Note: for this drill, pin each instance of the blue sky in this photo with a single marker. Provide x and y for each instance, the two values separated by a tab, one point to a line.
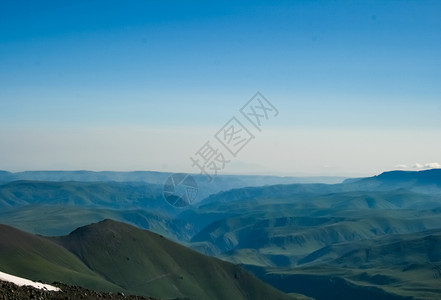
142	85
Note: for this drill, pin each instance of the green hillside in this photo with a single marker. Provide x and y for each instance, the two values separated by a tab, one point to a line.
295	232
114	256
37	258
146	263
407	266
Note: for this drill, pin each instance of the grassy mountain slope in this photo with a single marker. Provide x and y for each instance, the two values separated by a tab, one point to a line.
100	200
283	241
114	256
406	265
147	263
298	231
37	258
294	231
281	230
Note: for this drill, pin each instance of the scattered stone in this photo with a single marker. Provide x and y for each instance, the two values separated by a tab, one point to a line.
10	291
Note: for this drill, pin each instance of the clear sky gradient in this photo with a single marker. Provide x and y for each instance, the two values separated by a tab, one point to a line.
142	85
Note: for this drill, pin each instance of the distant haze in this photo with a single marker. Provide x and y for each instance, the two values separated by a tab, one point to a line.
143	85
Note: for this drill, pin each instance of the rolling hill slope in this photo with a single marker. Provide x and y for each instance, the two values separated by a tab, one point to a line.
113	256
407	266
37	258
152	264
286	229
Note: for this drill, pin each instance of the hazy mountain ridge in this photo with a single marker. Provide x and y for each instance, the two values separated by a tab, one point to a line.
85	194
427	181
153	177
298	227
295	227
205	187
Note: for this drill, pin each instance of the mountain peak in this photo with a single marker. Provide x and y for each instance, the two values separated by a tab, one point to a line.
148	264
433	175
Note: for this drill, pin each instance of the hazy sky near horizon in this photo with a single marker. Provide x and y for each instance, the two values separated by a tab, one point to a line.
142	85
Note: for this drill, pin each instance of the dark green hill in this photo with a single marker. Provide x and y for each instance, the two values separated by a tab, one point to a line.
146	263
113	256
37	258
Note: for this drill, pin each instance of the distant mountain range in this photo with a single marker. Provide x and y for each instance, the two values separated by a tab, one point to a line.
205	187
293	235
157	177
428	181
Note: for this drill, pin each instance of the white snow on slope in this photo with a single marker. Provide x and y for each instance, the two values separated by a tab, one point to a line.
21	281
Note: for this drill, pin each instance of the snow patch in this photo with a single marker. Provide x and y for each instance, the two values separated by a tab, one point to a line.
21	281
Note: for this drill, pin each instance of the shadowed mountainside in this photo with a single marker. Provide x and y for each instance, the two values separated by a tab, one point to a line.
113	256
